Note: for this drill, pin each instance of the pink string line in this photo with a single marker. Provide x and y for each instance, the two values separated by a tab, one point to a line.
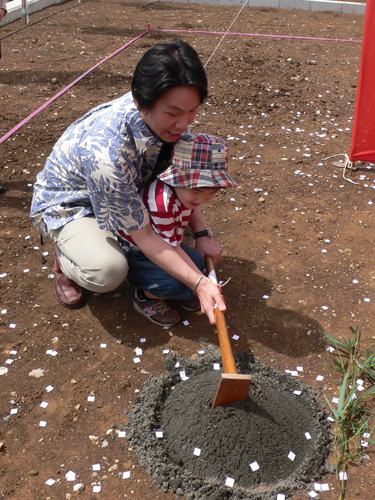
260	35
34	113
50	101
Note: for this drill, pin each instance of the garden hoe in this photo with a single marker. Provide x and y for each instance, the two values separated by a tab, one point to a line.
232	386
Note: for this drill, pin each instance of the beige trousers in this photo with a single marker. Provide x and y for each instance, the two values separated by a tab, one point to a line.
91	257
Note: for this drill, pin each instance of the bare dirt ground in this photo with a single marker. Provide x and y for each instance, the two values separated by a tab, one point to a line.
297	238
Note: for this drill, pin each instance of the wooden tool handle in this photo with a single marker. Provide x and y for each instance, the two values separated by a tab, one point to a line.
224	341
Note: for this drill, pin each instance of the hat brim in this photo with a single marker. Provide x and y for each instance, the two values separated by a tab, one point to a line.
190	178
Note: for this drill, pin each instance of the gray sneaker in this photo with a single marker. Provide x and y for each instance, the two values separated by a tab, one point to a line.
156	310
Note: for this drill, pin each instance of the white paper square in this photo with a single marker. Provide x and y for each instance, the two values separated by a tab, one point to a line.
297	393
335	400
13	353
165	351
299	368
12	325
14	411
186	322
280	496
359	381
201	352
291	456
216	366
96	489
9	361
126	474
177	365
197	452
229	482
235	337
159	434
325	487
142	340
103	346
96	467
330	419
121	434
294	373
319	378
51	352
70	476
254	466
138	351
91	398
307	435
312	494
330	349
43	404
50	482
42	423
49	388
317	487
343	476
137	360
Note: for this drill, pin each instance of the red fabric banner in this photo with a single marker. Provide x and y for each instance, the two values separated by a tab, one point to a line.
363	136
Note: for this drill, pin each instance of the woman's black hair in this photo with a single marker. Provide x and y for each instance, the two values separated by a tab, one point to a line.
164	67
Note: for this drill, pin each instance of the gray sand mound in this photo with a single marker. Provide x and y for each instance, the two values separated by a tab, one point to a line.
265	428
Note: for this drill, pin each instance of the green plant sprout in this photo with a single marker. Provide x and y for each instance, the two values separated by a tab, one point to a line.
352	415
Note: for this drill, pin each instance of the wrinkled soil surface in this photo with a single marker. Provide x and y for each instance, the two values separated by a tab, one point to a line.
297	237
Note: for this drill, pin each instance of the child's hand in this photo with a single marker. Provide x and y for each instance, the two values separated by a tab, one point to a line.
208	246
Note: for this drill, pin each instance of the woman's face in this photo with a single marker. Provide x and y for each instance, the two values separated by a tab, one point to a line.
172	113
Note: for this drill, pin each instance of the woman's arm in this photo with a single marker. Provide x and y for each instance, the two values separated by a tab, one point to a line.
168	258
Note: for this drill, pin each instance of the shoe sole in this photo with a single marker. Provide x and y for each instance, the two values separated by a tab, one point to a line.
140	310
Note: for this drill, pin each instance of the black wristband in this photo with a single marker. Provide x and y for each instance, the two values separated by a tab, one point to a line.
200	234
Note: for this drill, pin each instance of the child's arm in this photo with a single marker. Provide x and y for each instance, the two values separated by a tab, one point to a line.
205	245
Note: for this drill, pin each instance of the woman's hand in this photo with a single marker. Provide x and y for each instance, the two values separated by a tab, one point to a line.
210	295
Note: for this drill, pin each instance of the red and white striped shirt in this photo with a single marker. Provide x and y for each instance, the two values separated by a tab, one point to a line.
168	216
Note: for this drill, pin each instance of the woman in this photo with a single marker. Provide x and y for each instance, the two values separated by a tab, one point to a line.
89	186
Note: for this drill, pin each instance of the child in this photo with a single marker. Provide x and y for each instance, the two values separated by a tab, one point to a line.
198	169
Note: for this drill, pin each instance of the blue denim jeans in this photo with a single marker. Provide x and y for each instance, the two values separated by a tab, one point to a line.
146	275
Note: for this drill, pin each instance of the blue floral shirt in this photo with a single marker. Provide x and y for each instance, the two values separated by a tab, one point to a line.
97	167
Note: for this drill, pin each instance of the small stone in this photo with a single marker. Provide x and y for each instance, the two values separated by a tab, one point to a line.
79	487
33	473
261	200
37	373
